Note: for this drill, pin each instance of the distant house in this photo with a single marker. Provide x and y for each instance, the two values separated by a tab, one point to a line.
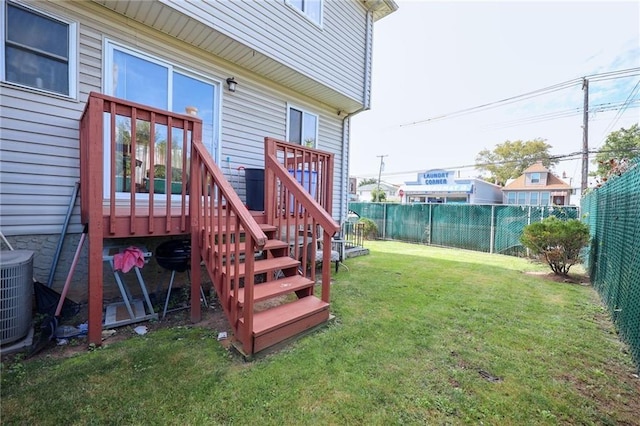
537	186
441	186
365	191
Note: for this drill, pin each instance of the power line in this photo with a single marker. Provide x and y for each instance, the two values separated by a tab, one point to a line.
544	91
621	111
549	116
558	157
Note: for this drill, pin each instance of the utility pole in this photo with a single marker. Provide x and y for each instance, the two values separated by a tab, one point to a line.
585	136
380	172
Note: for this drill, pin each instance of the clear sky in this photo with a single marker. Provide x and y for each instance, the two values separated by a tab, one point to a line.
431	58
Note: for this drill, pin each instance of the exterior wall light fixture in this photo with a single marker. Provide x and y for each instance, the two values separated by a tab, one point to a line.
232	83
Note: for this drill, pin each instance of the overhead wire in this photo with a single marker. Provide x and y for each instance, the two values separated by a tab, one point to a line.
630	99
630	72
556	157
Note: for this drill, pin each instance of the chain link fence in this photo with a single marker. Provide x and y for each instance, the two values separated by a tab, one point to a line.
486	228
613	257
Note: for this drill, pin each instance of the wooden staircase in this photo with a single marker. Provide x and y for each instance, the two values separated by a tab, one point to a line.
246	254
259	277
289	305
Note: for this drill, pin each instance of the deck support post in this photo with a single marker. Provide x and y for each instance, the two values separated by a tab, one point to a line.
94	191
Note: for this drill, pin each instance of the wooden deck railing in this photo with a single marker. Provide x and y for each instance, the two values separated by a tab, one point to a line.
299	184
147	156
136	142
220	225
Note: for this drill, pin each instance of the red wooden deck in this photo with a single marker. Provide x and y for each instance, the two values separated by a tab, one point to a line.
207	208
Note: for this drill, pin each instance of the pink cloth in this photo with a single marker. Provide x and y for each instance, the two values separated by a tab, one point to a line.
128	258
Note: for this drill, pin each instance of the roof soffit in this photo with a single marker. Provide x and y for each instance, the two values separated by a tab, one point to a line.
380	8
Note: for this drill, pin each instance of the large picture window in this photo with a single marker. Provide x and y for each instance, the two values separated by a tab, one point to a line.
141	78
39	50
312	9
302	127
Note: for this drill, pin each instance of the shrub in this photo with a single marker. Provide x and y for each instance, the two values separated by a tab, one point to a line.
557	242
370	229
378	195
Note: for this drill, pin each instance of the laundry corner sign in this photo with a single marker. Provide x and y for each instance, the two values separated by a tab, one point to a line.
436	177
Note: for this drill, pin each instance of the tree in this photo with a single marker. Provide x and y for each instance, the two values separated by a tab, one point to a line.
508	160
368	181
378	195
558	242
621	146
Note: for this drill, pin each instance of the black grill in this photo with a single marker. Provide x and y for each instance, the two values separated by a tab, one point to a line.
174	255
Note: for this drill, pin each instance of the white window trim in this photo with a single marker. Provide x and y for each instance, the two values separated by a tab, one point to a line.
73	51
538	181
107	86
304	111
318	24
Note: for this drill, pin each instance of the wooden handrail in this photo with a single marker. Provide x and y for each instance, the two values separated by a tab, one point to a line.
234	203
304	198
219	221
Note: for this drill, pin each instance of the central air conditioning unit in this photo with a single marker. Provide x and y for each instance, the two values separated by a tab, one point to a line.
16	288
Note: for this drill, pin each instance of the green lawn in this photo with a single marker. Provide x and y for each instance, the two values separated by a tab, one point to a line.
422	336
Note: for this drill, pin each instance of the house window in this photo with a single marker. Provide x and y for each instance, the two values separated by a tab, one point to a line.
544	198
150	81
39	50
533	198
535	177
302	127
511	197
522	198
312	9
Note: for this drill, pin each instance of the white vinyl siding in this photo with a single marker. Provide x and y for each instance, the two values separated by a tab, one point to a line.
276	30
40	132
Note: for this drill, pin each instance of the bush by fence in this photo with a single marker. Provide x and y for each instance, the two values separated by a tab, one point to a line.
486	228
613	260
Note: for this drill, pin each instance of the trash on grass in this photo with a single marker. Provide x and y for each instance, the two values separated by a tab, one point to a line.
141	330
62	342
222	335
107	333
65	331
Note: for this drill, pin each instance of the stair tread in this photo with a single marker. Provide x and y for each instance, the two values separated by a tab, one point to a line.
273	318
270	245
276	288
266	265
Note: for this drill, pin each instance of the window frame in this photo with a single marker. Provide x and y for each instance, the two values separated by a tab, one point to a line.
538	179
521	198
109	45
302	127
304	11
511	198
543	195
537	196
72	60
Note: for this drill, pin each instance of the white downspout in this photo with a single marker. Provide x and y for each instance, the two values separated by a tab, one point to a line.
366	102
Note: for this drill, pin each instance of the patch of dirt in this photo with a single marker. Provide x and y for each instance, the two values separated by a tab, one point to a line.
581	279
213	318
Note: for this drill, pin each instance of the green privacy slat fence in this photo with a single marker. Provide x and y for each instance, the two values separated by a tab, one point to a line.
487	228
613	257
